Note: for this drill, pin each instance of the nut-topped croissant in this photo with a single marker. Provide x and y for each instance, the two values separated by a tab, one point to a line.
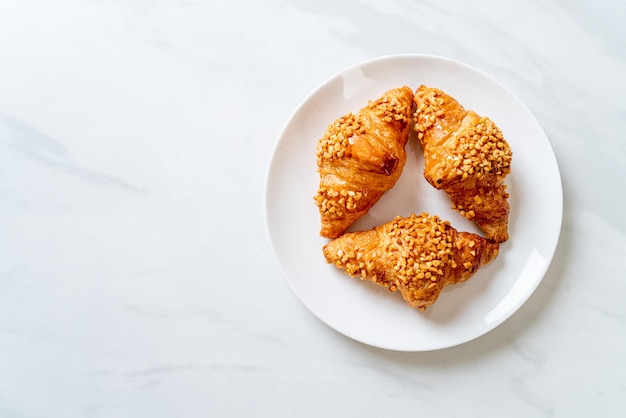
418	255
467	156
360	157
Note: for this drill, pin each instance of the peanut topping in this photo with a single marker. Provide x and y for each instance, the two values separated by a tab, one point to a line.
335	203
466	212
482	149
338	137
391	109
428	110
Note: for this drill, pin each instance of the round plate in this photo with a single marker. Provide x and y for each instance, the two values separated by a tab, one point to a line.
370	313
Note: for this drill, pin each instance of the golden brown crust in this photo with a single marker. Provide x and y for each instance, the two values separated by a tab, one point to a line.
467	156
418	255
360	157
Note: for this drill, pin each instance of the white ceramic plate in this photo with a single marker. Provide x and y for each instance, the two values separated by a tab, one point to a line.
370	313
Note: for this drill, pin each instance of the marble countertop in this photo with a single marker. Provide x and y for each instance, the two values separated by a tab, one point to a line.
136	276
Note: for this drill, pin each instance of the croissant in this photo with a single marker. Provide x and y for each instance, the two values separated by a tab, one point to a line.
418	255
467	156
360	157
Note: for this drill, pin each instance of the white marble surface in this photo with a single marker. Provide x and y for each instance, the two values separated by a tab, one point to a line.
136	278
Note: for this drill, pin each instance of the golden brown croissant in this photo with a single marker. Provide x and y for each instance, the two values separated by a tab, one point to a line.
360	157
467	156
417	255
